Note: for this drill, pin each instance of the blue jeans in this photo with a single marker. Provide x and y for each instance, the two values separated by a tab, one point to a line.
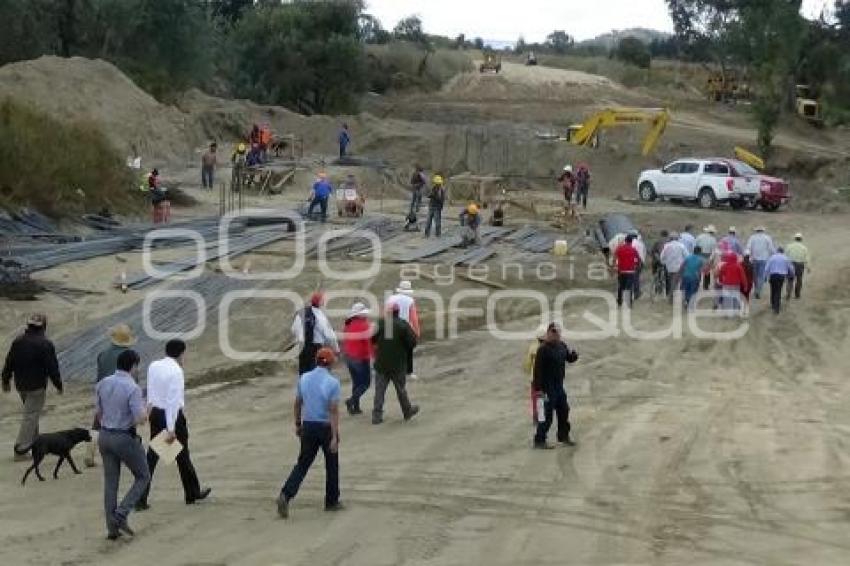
435	215
315	435
207	176
361	377
322	204
690	285
758	275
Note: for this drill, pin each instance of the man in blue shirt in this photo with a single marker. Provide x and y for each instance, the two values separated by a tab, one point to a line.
322	190
692	271
120	409
317	425
344	140
778	269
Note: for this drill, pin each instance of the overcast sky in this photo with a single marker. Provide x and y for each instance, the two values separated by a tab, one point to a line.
506	20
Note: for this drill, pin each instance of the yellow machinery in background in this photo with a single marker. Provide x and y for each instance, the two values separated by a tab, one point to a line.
749	158
807	107
492	62
587	133
726	87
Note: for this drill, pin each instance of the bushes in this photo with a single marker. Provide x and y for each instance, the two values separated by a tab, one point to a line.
634	51
60	169
402	65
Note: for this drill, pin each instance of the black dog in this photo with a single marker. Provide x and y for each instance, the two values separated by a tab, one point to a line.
59	443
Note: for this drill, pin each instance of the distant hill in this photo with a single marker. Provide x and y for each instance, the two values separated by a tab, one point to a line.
609	40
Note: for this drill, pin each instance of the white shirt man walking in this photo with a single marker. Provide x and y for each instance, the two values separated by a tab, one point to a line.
673	255
761	248
166	389
119	409
312	330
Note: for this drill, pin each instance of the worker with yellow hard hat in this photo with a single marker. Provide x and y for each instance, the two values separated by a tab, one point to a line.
436	200
470	220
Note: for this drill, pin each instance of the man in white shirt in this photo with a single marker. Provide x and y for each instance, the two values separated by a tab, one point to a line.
760	246
687	238
673	256
312	330
166	387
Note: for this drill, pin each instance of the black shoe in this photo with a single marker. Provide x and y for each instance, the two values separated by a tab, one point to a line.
543	446
113	536
204	493
338	506
350	406
414	410
283	506
357	410
377	420
567	442
142	506
123	527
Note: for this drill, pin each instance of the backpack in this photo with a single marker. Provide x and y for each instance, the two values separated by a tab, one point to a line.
309	319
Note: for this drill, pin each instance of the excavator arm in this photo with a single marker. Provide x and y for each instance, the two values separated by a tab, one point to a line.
657	118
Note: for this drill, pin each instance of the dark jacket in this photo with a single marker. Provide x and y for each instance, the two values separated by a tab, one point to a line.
550	366
437	196
32	359
392	342
107	360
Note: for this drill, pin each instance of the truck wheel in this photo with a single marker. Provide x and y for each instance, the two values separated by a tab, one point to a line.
706	198
769	206
646	192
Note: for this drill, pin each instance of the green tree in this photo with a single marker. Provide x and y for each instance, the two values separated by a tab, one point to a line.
305	55
478	43
764	35
559	41
633	51
520	45
371	30
410	29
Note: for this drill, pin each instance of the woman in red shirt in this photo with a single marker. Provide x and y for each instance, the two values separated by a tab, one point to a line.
359	353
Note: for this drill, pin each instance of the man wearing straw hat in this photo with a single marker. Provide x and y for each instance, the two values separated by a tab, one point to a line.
761	248
798	253
32	361
121	339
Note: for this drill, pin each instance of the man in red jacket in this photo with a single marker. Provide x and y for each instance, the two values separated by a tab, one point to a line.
626	260
733	281
359	353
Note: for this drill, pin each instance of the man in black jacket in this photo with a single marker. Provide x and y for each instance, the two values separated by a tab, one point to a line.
31	360
550	364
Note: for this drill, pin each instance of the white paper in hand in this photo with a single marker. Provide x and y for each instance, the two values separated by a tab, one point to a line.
166	452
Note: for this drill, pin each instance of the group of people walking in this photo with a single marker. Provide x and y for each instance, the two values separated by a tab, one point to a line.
686	262
120	408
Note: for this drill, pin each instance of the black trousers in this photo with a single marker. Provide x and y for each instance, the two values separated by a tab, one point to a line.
776	282
315	435
556	405
188	477
625	282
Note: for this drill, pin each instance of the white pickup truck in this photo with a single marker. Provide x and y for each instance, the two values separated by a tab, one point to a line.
710	181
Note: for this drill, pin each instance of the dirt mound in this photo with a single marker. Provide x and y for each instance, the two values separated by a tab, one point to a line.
95	91
518	82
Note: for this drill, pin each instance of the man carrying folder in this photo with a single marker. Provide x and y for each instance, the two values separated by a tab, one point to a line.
166	388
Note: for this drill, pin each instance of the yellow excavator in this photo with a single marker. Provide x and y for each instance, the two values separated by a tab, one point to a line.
587	133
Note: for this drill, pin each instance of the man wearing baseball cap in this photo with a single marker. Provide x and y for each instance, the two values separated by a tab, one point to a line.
32	361
317	425
549	373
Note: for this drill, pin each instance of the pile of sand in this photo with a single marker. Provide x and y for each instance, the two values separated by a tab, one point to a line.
97	92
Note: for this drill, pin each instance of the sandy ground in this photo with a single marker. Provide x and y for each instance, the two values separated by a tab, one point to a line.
690	450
